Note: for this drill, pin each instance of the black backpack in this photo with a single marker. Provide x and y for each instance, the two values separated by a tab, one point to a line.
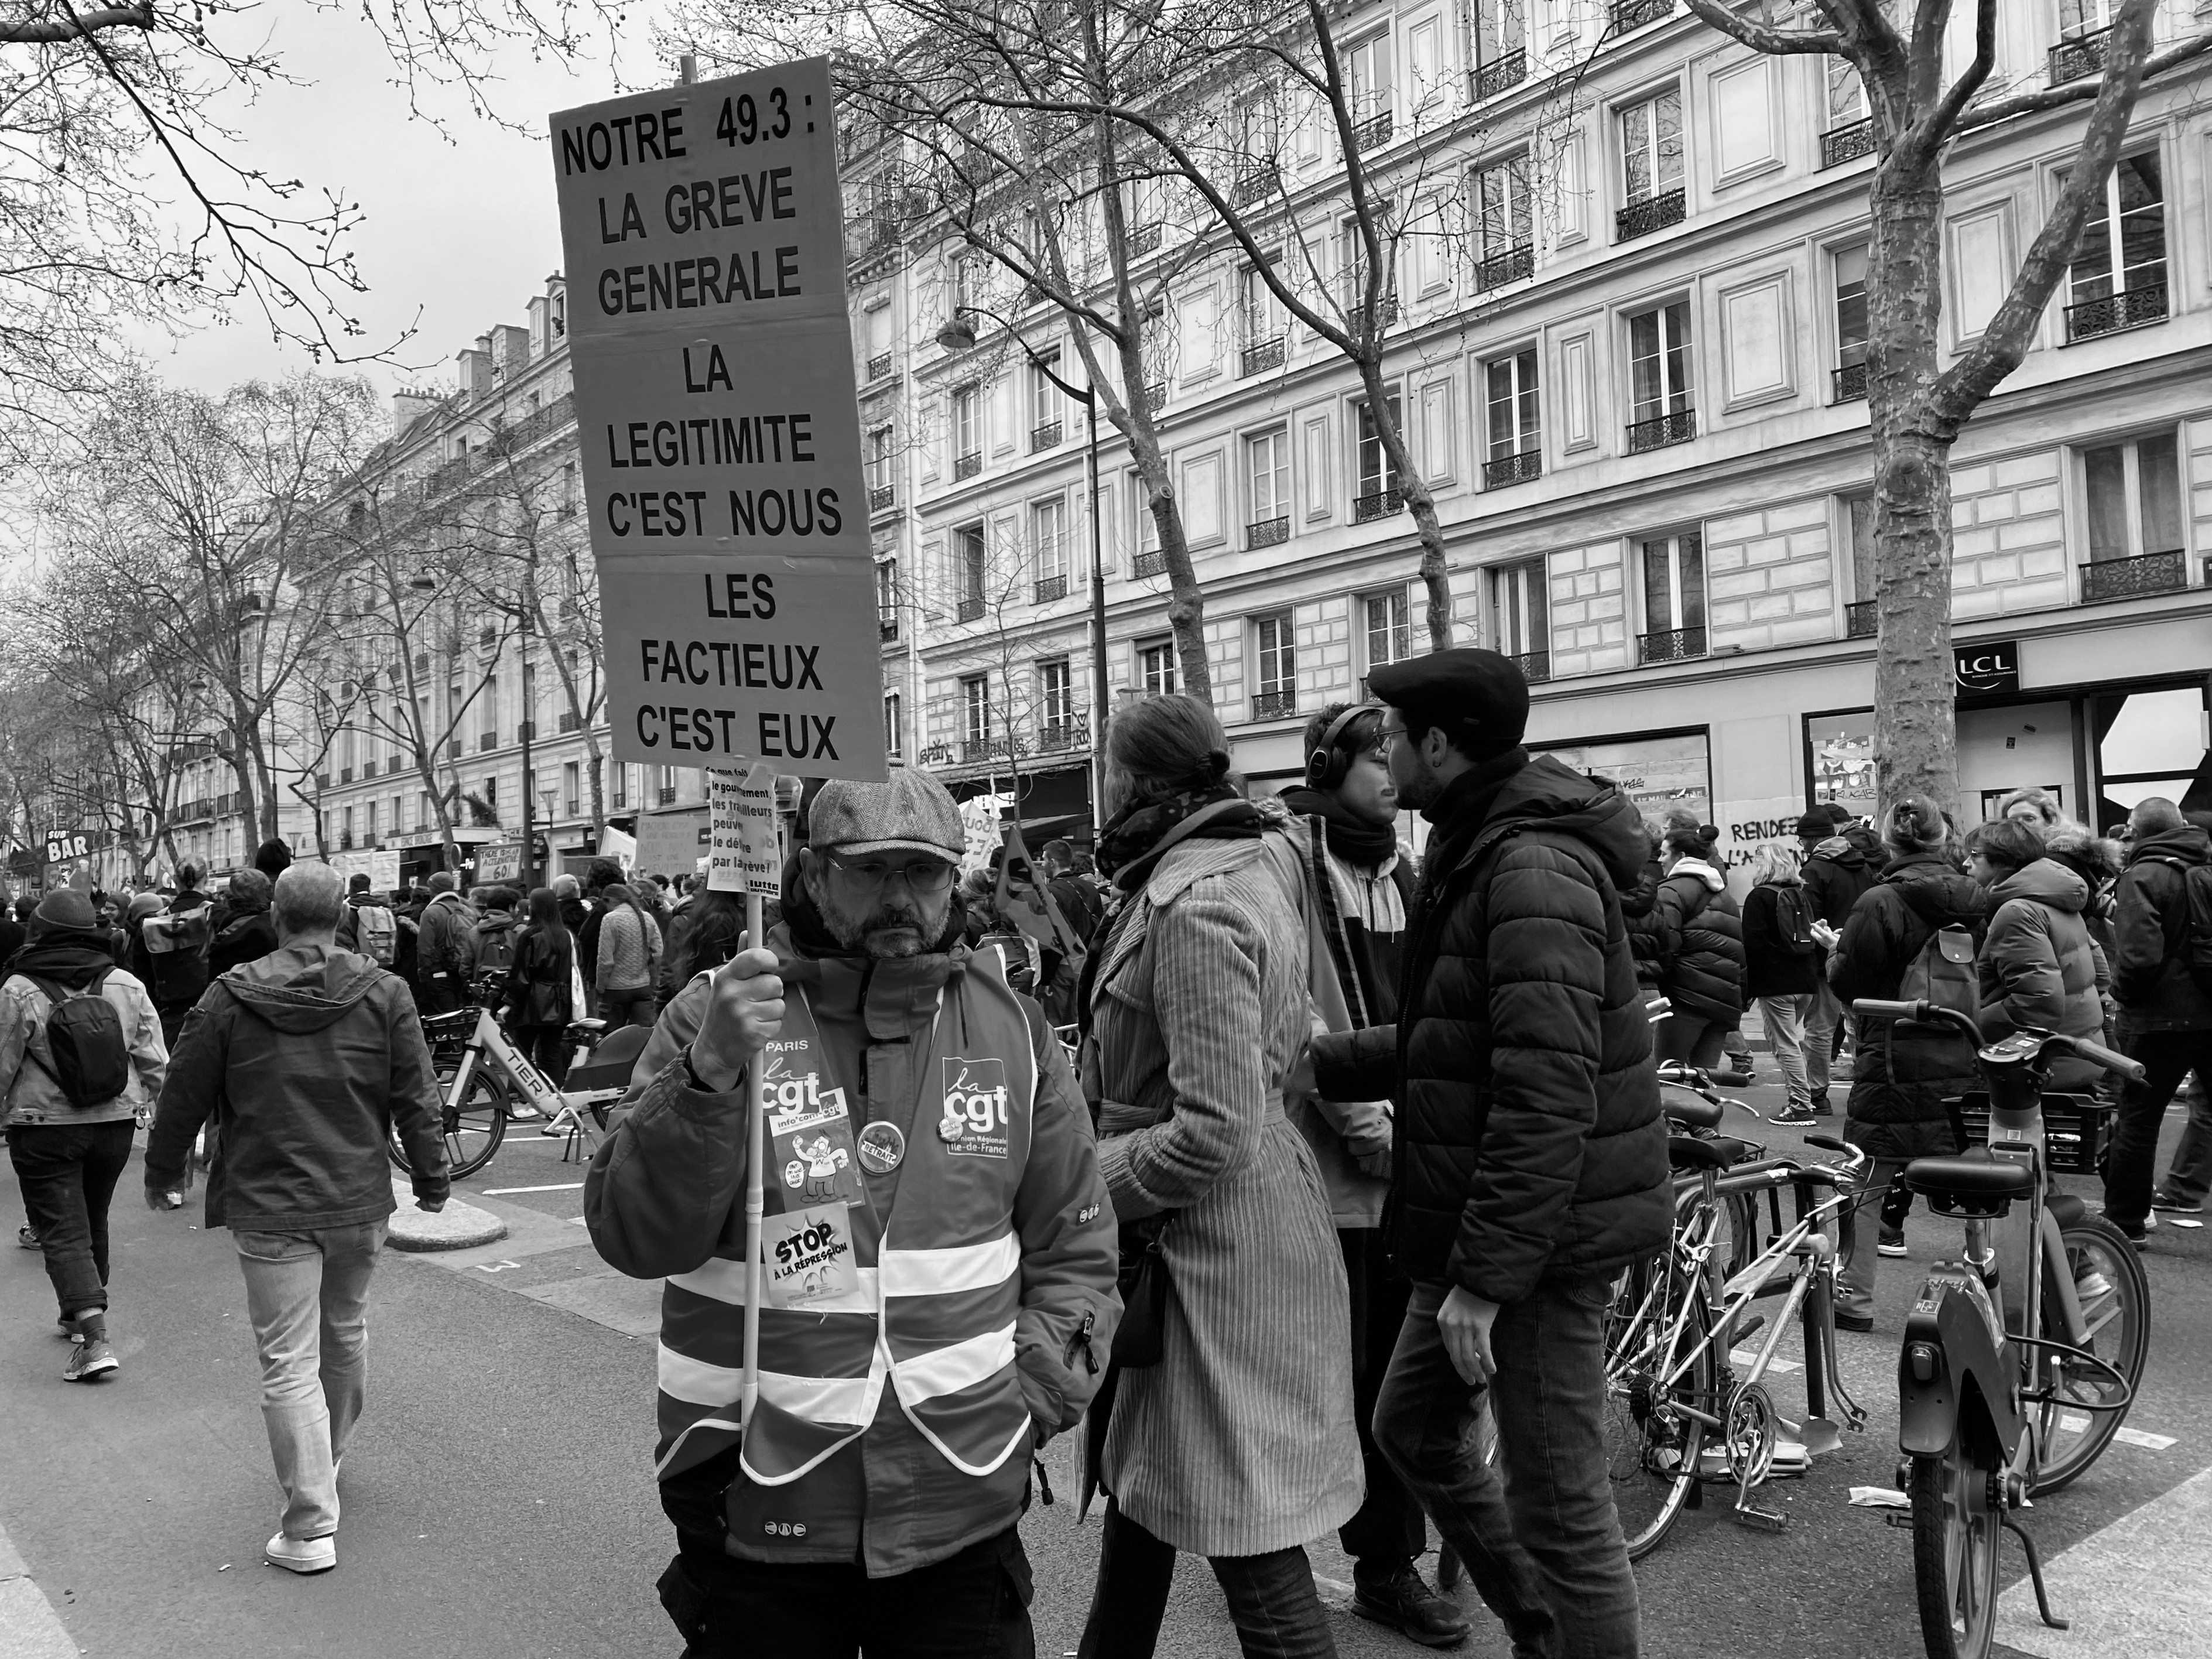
84	1034
1793	919
2195	949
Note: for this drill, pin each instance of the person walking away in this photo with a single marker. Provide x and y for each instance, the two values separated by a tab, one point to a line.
1364	886
629	960
81	1056
878	1514
1237	1441
1836	872
1700	930
369	926
1638	909
540	1000
1781	968
1912	936
2166	1006
272	858
1530	1162
307	1060
176	943
2038	968
598	876
1078	899
247	933
496	931
445	947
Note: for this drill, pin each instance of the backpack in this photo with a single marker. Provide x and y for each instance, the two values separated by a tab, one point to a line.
2195	951
84	1034
180	973
376	932
1793	919
1942	971
495	949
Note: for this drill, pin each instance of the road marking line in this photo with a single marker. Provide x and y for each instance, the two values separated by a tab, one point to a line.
557	1186
2137	1586
2070	1423
1747	1357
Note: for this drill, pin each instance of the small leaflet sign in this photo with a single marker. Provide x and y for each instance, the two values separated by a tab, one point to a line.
743	854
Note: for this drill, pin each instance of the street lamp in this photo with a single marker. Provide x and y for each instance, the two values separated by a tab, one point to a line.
959	335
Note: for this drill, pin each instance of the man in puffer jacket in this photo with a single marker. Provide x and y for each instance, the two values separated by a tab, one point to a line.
1700	932
1837	869
1531	1163
2037	967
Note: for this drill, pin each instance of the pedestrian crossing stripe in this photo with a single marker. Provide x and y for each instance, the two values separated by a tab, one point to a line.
2072	1423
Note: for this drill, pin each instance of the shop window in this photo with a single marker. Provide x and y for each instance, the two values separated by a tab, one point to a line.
1839	760
2150	742
1657	773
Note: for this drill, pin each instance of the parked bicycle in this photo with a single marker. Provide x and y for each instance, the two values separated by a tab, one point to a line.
2021	1359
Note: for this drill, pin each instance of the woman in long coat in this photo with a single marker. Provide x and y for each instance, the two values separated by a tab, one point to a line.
1238	1444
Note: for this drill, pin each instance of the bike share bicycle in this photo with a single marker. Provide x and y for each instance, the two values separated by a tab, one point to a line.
2021	1359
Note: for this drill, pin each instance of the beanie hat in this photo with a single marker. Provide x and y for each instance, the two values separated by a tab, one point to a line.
143	905
63	910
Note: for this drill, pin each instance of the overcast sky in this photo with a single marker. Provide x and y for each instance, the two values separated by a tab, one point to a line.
460	226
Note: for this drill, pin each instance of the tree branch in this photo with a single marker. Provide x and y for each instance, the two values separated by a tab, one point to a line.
2077	92
1764	37
1939	126
77	25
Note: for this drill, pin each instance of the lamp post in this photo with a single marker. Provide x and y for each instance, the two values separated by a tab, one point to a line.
959	335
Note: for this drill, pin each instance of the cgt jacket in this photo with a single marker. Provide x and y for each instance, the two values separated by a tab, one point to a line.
2150	914
1529	1135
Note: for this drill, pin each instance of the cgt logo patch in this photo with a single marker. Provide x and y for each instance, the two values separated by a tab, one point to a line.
977	1109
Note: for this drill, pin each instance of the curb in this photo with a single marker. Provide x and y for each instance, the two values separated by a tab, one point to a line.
458	1226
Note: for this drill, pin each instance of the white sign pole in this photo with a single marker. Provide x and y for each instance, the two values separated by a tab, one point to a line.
755	1201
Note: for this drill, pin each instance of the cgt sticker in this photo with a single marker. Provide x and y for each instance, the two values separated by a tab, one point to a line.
977	1108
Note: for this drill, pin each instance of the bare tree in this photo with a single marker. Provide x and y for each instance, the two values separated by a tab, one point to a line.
1916	406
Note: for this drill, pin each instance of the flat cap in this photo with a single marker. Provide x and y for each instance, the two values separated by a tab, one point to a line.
1479	690
912	812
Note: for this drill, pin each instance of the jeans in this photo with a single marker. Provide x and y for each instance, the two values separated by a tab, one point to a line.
1822	1020
2190	1174
2168	1057
1690	1038
1855	1273
1386	1534
1785	1027
639	1005
1539	1540
307	1295
68	1172
1271	1597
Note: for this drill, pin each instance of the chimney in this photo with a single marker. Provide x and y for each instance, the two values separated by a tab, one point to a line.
408	407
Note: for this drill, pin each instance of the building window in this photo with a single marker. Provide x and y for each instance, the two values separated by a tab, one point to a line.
975	710
1651	165
1674	597
667	790
1378	495
1055	684
491	790
1268	476
1388	620
1145	533
2117	278
1852	327
1046	411
1516	433
1505	225
568	489
967	431
622	785
572	786
878	465
1260	321
1276	679
1859	612
887	598
1156	668
1048	548
1518	617
1500	46
968	570
967	285
894	728
2134	495
1367	88
1659	371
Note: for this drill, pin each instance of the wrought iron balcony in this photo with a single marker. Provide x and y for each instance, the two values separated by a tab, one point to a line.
368	770
1535	666
1518	467
1274	705
1652	213
1386	310
1046	435
1862	620
1676	645
1635	14
971	608
1058	734
1156	394
345	773
1371	133
1263	355
973	749
879	365
1268	533
882	497
1253	185
568	721
968	465
1847	143
1495	76
1050	590
2128	578
1511	266
1377	504
1147	566
2081	56
1660	431
1850	384
2130	307
1143	239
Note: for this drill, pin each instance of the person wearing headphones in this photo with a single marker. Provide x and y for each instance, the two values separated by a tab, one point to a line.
1370	877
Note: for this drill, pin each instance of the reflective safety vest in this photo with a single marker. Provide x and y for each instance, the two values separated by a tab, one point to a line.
939	1275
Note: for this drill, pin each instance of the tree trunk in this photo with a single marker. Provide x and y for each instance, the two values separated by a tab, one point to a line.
1436	575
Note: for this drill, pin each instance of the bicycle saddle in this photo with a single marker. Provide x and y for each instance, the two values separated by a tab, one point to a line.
1693	1113
1967	1177
1686	1152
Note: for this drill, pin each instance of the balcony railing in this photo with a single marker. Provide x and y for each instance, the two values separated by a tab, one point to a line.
1373	132
1274	705
486	740
1263	355
968	465
2081	57
1662	430
1046	435
368	770
1057	735
1862	620
568	720
879	365
1676	645
1850	382
2128	578
1847	144
1652	213
2129	308
1377	504
1050	590
1147	566
1252	186
886	626
973	749
1535	666
971	609
1268	532
882	497
345	774
1511	266
1499	73
527	731
1156	394
1143	239
1519	467
1628	15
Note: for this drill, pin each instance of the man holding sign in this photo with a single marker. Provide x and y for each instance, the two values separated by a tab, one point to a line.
937	1259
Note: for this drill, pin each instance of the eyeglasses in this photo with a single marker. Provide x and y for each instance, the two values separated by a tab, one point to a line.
922	875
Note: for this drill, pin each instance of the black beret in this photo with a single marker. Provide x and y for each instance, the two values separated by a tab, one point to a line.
1479	692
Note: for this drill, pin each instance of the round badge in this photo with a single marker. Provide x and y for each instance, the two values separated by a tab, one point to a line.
883	1148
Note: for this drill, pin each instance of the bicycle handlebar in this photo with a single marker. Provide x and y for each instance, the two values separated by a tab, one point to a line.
1928	1013
2097	1055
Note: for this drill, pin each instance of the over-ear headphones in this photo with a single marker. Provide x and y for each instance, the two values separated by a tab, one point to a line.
1327	762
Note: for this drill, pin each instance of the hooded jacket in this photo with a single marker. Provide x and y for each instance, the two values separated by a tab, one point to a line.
306	1061
2150	916
1639	905
1700	937
2039	967
246	934
497	933
1837	871
446	943
71	958
1770	968
1529	1133
1900	1078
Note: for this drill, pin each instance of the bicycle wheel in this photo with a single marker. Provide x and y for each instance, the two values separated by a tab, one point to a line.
2115	1296
1651	1444
1955	1531
472	1132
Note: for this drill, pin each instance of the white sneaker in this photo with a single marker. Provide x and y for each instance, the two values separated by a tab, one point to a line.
302	1555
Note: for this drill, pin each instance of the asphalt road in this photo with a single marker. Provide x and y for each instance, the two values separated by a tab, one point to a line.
499	1503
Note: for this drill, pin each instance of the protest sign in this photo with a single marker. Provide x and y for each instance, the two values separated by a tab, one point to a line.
744	854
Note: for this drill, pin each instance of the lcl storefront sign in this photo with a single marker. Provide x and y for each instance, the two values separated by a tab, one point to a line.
1986	667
